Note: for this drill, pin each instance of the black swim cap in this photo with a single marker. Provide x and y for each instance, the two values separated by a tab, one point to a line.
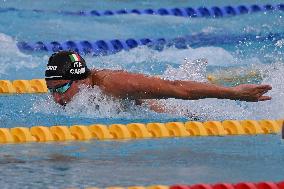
66	65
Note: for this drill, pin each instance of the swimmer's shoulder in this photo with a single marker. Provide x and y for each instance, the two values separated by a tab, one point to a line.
105	72
98	76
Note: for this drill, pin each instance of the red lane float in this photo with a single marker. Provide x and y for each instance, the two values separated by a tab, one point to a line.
180	186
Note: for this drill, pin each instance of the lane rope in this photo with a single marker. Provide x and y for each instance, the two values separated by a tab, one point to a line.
190	12
108	47
219	185
133	131
23	86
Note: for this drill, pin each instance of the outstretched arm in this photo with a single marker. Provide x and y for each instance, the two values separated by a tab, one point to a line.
138	86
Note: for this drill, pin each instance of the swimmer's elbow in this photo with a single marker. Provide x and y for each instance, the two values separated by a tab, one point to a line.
180	91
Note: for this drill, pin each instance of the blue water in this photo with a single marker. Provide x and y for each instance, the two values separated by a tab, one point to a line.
143	162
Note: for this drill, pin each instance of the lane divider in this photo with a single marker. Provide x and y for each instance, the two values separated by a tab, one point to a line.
213	12
139	131
108	47
220	185
39	85
228	77
23	86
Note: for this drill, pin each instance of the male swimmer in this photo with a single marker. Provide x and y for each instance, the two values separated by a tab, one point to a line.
67	70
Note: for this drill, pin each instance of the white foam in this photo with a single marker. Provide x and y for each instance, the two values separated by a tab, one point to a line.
92	103
12	58
143	56
190	70
272	109
216	109
279	43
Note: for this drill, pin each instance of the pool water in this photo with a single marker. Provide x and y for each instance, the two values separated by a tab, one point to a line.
142	162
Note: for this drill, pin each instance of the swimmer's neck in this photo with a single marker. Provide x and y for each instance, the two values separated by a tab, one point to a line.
97	76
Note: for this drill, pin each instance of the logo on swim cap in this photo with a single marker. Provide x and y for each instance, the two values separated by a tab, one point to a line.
51	67
78	67
75	57
66	65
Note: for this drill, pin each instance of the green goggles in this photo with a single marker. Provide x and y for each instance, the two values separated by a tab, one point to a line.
61	89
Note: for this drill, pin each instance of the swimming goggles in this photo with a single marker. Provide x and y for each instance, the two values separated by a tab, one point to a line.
61	89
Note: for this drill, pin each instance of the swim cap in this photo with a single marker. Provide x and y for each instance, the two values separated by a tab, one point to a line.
66	65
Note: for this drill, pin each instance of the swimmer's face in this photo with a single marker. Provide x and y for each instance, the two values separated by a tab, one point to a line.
63	90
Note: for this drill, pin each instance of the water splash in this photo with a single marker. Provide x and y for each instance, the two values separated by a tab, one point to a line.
93	103
272	109
13	60
142	58
216	109
279	43
190	70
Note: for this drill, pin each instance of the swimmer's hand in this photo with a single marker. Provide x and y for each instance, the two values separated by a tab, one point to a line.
251	92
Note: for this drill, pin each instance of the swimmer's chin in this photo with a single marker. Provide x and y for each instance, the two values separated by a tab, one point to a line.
62	103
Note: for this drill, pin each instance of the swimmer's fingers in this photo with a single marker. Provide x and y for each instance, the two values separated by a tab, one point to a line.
251	92
264	98
260	93
264	87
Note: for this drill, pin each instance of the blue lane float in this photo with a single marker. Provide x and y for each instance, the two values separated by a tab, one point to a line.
107	47
214	12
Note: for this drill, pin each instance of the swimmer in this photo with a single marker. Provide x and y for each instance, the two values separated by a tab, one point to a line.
67	70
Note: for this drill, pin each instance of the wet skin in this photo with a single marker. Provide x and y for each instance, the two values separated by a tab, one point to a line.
125	85
63	98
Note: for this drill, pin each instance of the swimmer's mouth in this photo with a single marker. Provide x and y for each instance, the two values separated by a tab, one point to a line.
62	103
